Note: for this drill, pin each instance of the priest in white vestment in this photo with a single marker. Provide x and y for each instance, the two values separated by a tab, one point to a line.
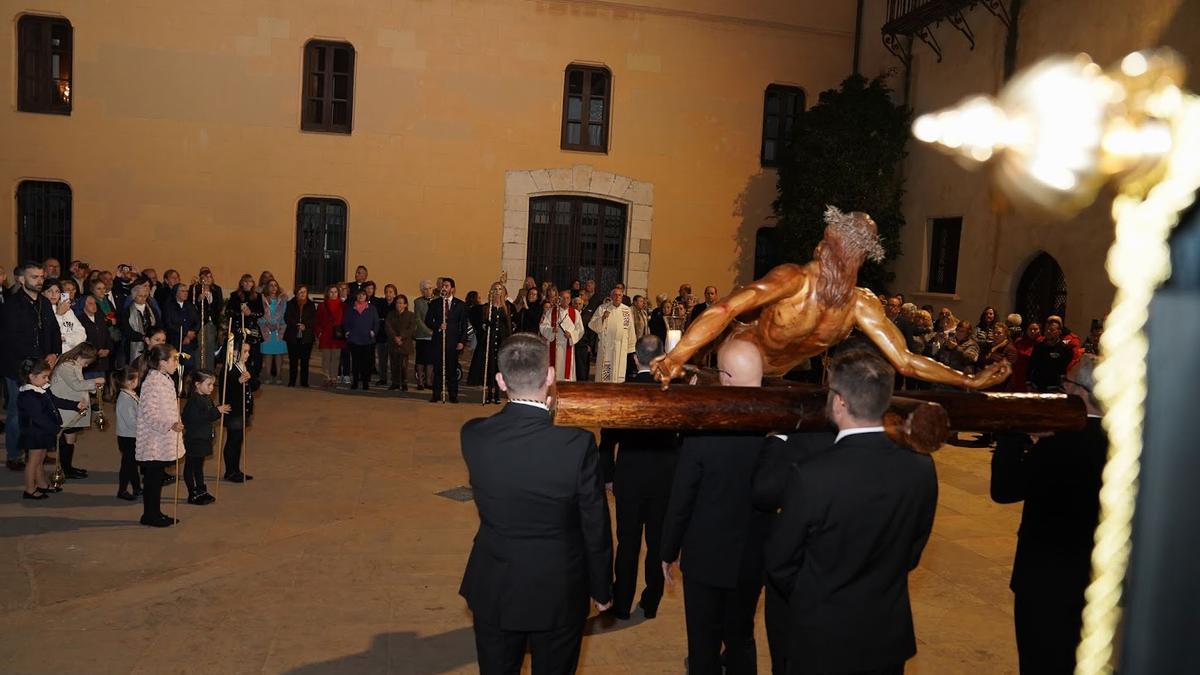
562	326
613	323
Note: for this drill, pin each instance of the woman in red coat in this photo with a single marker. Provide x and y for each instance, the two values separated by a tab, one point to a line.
331	340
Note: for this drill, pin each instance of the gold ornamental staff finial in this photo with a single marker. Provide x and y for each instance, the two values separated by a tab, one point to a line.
1056	135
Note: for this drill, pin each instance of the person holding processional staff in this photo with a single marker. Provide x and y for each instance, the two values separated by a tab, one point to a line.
562	327
613	323
240	386
497	327
447	317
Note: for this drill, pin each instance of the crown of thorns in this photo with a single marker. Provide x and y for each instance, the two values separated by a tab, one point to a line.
853	234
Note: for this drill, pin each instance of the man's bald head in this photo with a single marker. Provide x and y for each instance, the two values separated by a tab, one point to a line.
740	364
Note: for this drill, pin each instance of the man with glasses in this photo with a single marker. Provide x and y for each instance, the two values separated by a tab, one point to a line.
28	330
1058	477
853	523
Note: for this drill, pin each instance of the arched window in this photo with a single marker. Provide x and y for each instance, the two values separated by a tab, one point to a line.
43	220
576	238
320	243
587	98
1042	290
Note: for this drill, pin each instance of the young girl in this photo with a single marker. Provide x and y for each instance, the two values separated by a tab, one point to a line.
239	395
68	384
123	388
158	429
198	415
38	414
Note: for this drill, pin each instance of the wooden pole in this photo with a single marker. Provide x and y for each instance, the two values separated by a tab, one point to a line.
178	476
802	408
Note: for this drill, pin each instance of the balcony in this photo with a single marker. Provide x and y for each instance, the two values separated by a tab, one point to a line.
917	18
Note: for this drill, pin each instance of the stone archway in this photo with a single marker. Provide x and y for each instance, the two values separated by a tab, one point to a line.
580	179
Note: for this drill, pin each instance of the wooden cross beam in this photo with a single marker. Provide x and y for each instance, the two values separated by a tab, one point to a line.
920	420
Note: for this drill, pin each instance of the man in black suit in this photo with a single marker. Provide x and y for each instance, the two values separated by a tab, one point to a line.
1059	480
713	524
447	318
854	521
543	546
640	480
770	482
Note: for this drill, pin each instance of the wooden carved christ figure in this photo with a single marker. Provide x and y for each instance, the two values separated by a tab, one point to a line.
796	312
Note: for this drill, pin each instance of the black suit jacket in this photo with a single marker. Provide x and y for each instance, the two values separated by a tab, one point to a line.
543	547
456	323
853	523
639	462
711	524
1059	480
28	329
776	461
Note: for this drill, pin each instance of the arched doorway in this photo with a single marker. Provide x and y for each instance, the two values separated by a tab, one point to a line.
1042	290
574	238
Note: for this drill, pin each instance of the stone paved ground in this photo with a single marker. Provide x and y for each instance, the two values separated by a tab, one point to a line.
339	558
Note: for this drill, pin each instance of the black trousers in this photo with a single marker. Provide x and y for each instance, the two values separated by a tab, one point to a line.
193	474
776	616
152	496
298	354
450	368
362	359
234	434
583	362
635	514
128	477
399	366
717	616
1048	630
552	652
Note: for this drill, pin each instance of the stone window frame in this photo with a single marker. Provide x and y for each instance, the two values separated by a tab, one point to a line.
581	180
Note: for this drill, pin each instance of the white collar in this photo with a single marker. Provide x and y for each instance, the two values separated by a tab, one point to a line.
860	430
30	387
532	404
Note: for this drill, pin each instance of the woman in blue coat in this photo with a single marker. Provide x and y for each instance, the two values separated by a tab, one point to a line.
360	321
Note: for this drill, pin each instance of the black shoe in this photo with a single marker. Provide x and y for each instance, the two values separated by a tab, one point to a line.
75	473
206	499
50	490
614	613
126	496
236	478
168	479
454	399
247	476
380	383
15	465
393	387
157	521
34	495
648	612
137	492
